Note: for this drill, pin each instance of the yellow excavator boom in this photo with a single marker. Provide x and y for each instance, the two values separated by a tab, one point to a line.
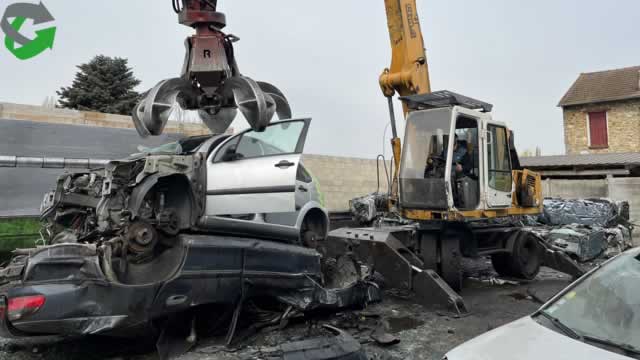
409	71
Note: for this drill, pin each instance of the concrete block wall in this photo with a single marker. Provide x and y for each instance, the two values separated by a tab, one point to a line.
342	179
575	189
12	111
627	189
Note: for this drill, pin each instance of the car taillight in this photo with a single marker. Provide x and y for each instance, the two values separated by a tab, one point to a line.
21	307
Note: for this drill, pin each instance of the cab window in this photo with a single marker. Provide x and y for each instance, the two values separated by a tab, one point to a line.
500	177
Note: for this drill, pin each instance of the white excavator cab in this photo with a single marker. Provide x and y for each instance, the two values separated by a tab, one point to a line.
455	157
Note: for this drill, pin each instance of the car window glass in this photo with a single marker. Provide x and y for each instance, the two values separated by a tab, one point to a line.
225	148
277	139
605	305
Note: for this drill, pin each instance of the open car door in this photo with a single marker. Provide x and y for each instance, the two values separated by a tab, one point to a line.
255	172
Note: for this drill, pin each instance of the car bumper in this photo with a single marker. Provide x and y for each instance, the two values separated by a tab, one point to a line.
80	309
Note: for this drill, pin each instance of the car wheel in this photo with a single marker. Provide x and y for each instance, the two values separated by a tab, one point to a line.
310	239
312	231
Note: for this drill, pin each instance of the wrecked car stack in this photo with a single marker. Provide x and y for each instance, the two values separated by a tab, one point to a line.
140	239
77	289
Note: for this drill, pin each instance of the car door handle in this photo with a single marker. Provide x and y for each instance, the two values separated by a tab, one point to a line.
303	189
284	164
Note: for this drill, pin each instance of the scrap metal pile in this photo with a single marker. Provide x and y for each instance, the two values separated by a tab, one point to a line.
585	229
121	250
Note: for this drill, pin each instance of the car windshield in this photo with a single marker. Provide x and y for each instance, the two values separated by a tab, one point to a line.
606	305
169	148
183	146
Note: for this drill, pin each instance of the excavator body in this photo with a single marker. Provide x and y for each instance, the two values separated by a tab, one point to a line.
456	183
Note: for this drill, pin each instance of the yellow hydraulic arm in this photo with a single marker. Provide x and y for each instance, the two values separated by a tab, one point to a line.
409	71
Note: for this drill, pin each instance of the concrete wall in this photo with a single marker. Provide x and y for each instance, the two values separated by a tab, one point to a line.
627	189
342	179
73	117
623	121
575	189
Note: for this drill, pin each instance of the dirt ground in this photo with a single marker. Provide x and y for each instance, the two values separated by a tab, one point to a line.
424	333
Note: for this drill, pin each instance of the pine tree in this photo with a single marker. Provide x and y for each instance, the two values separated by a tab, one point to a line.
105	84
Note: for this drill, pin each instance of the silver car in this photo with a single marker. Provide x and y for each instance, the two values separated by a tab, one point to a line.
595	318
250	184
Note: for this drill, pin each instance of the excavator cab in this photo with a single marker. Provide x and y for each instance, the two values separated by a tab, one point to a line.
454	152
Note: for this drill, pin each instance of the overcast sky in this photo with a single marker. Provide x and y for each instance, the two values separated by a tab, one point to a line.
326	56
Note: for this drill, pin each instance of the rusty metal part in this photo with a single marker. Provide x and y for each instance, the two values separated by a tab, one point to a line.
194	12
168	222
142	237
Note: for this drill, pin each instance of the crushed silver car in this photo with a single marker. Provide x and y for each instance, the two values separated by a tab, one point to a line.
250	184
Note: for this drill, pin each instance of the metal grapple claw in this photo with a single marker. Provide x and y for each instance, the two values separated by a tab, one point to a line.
152	113
257	101
211	82
282	105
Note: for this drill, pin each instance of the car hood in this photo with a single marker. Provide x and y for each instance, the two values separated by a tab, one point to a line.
525	339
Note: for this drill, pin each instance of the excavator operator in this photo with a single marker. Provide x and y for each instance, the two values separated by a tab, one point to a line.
462	163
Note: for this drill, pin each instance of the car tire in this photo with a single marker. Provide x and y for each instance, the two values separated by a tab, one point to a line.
310	239
312	231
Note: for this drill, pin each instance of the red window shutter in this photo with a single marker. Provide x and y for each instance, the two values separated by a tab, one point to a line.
598	129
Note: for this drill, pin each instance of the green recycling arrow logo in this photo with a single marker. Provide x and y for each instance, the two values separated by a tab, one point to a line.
28	48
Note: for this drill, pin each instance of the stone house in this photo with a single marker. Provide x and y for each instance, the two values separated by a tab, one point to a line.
602	112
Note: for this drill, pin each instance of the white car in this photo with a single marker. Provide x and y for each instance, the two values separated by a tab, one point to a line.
595	318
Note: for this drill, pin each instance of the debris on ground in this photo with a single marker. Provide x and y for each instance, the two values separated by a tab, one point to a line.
339	347
497	281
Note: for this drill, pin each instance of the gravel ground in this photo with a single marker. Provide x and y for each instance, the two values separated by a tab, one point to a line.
424	333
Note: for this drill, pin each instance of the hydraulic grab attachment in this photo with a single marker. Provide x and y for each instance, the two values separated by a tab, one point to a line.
211	82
